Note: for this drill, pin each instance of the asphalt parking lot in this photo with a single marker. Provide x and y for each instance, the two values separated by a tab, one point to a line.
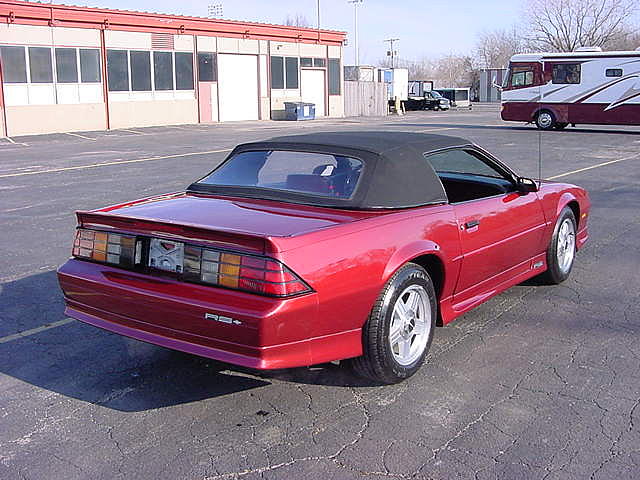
540	382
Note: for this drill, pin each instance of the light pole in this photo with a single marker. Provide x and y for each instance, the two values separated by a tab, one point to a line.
355	15
391	50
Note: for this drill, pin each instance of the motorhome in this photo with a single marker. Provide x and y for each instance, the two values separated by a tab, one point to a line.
554	90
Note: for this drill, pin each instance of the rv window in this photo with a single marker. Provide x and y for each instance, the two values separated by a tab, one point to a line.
461	95
566	73
613	72
522	79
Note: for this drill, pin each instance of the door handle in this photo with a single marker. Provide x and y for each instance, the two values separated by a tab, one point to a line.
471	224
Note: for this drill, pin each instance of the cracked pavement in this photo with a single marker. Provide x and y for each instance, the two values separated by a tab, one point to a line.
540	382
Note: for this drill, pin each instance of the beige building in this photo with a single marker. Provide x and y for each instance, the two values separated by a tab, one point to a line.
67	68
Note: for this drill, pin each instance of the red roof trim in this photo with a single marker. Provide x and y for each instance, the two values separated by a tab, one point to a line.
27	13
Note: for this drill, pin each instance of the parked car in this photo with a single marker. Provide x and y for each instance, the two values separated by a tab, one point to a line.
428	101
459	97
312	248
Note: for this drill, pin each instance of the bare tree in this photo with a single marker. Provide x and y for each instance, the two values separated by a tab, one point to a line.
628	40
564	25
454	71
298	20
494	48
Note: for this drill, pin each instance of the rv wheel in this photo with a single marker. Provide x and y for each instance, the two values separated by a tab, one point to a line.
545	120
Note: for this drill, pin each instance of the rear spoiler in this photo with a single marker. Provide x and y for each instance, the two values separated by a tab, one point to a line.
219	237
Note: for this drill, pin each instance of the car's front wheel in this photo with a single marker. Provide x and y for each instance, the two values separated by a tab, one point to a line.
398	333
561	252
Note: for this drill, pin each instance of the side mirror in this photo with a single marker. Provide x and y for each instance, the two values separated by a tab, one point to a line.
496	86
526	185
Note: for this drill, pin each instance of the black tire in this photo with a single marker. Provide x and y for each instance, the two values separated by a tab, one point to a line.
545	120
556	272
378	362
560	125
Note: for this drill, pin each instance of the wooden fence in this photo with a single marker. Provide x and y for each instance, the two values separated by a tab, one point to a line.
365	99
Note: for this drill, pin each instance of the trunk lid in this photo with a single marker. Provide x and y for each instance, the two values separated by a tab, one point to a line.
233	222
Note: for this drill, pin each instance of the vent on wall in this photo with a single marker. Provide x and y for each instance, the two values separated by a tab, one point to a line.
161	41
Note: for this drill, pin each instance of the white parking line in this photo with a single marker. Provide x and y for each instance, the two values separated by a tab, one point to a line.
603	164
438	129
79	136
118	162
131	131
11	140
33	331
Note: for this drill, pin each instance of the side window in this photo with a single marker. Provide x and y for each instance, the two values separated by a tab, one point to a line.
613	72
522	79
466	175
464	162
566	73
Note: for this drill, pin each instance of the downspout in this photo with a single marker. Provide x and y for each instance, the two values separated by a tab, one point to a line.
5	128
196	76
105	87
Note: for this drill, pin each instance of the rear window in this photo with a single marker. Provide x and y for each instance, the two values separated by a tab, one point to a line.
317	174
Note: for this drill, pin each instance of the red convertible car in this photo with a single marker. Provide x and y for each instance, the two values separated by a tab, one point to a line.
328	246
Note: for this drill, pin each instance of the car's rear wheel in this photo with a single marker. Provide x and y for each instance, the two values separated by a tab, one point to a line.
398	333
545	120
562	248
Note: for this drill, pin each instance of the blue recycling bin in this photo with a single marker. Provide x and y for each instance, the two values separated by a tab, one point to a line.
300	110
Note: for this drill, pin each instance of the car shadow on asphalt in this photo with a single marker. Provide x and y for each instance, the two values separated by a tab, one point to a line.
95	366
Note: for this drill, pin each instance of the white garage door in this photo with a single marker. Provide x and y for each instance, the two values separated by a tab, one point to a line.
238	87
312	89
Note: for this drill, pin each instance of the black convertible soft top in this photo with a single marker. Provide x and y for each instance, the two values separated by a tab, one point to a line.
395	174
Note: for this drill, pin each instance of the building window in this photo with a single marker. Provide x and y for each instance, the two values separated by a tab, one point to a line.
319	62
291	73
566	73
284	73
140	67
163	70
184	71
117	71
90	65
66	65
306	62
334	76
40	65
277	73
207	71
613	72
14	64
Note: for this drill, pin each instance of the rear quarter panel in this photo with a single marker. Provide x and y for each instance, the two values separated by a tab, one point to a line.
348	265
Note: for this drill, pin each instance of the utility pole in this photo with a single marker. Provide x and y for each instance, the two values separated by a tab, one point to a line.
355	14
318	11
392	52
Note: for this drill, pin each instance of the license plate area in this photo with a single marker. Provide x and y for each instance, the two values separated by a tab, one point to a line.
166	255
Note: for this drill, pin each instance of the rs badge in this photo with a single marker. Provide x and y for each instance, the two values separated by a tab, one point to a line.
222	319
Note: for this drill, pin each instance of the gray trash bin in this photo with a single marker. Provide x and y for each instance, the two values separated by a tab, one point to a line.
300	110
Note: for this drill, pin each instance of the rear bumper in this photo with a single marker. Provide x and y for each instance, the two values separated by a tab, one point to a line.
295	354
271	333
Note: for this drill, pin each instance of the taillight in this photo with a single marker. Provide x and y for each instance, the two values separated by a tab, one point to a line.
244	272
256	274
104	247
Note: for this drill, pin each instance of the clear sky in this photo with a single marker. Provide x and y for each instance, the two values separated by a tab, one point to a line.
425	28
